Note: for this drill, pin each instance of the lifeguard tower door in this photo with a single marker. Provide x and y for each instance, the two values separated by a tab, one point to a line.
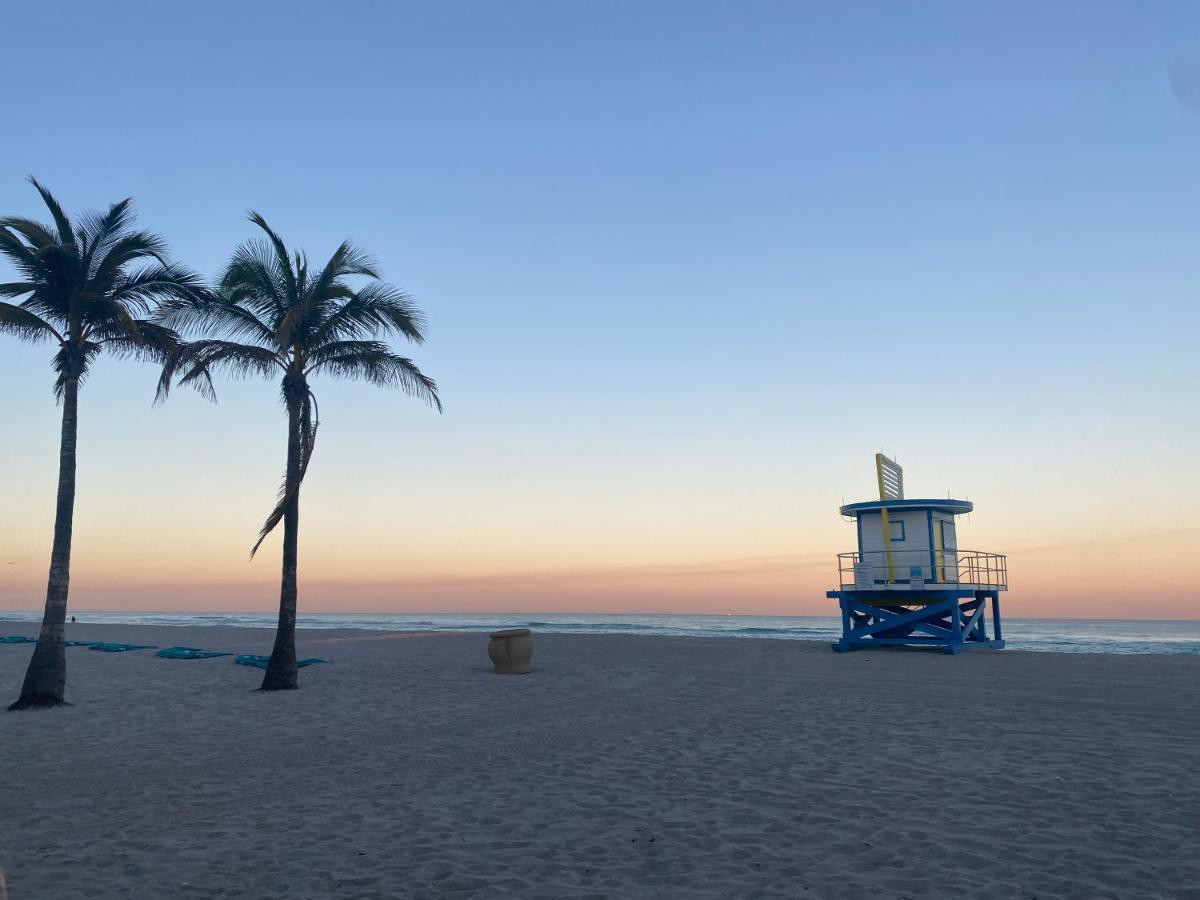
945	556
950	548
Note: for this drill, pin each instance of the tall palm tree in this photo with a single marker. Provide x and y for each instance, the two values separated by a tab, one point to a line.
296	323
89	288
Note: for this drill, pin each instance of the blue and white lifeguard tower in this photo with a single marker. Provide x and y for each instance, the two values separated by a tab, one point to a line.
909	584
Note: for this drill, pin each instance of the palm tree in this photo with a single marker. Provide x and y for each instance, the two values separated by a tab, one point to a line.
296	322
88	287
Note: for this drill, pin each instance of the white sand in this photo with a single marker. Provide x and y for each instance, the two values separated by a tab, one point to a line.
622	767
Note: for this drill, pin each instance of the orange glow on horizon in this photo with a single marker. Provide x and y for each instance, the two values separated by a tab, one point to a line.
1046	582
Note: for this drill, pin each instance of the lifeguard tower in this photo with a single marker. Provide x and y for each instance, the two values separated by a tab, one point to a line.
909	583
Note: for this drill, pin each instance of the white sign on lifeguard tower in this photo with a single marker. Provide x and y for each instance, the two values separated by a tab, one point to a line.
909	583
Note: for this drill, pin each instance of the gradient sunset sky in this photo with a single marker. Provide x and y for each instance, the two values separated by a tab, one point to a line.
687	267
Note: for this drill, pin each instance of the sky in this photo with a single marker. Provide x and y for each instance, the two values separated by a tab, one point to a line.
687	267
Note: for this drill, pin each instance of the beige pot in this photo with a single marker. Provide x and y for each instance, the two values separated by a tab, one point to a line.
511	651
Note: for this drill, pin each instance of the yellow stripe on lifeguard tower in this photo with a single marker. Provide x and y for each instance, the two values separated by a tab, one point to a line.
891	487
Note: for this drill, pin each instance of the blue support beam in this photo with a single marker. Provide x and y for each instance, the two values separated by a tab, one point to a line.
949	620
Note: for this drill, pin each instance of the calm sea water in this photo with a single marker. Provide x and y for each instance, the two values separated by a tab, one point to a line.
1062	635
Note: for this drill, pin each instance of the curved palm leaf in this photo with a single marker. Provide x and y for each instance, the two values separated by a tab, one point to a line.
194	364
66	235
376	309
37	235
374	362
25	324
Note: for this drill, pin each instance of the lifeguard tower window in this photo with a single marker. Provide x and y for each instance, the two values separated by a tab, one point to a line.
896	531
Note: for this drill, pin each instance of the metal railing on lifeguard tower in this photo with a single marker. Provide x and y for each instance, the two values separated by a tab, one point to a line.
916	570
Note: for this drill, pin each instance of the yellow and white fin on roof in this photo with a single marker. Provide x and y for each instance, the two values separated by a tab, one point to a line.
891	478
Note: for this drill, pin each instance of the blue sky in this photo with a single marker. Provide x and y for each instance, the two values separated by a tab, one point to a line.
687	266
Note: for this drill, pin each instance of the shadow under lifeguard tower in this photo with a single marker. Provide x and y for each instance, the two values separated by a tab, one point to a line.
909	584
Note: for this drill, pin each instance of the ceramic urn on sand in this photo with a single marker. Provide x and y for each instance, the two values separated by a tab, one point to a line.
511	651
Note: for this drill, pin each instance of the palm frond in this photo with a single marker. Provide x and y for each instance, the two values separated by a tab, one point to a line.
96	234
375	363
21	254
66	236
340	349
50	301
317	298
347	260
144	287
374	310
281	252
37	235
194	363
112	318
252	279
105	264
24	324
154	343
208	313
17	288
96	229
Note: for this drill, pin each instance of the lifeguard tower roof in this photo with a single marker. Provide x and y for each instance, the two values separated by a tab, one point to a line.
950	507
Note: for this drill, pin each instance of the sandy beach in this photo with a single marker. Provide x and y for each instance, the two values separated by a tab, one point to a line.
621	767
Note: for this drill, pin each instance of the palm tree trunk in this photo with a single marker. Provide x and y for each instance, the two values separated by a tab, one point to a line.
282	669
46	677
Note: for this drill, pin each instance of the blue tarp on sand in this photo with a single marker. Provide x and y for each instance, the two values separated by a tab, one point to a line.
80	643
17	639
119	648
189	653
260	662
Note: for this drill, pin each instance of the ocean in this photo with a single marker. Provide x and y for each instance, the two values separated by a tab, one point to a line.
1058	635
